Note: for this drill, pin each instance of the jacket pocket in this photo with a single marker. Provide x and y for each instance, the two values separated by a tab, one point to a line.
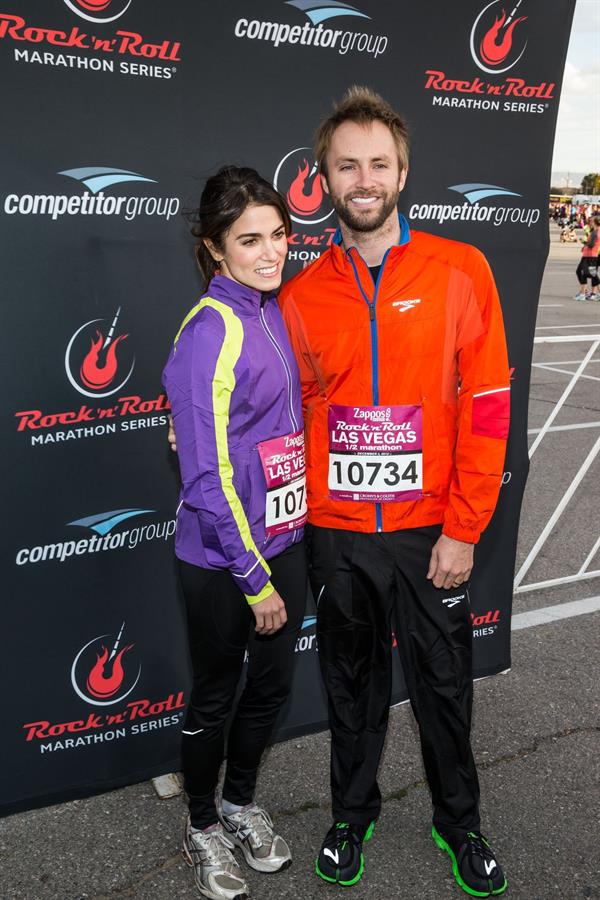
432	451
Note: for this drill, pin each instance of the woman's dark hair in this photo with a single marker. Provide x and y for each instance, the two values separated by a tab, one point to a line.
224	198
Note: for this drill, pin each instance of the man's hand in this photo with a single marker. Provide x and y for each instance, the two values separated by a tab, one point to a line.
270	614
451	562
171	436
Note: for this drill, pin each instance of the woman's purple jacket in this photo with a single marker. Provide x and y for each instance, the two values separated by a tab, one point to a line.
232	382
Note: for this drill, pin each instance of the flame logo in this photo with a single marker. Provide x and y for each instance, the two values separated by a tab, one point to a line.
92	362
299	201
297	178
94	5
97	375
98	10
101	685
495	49
105	681
498	42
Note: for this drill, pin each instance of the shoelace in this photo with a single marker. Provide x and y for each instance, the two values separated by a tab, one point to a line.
341	833
479	845
213	847
258	822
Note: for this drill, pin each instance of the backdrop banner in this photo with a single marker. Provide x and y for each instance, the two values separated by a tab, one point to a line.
115	112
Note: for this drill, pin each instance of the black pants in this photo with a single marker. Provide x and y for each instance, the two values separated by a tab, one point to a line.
367	586
220	628
587	263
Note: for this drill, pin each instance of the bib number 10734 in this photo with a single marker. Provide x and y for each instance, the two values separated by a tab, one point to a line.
375	453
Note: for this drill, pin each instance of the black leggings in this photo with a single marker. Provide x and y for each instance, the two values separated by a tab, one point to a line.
220	628
583	271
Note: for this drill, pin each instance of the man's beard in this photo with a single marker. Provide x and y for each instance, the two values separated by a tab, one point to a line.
358	221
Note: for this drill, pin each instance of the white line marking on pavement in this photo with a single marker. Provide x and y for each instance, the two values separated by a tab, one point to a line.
550	368
545	327
564	362
546	305
565	338
554	613
566	427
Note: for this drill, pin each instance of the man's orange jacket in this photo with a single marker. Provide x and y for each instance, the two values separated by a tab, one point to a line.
429	333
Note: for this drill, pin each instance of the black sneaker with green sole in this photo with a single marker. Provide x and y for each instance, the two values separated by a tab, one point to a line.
341	859
474	863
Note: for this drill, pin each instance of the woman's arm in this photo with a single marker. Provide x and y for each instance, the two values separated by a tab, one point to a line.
207	464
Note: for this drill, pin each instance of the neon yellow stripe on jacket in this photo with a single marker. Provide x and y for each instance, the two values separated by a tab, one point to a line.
222	389
195	309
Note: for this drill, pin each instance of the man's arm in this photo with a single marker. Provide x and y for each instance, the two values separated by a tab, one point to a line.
483	420
307	366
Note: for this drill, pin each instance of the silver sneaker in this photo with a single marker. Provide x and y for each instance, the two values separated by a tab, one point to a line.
251	830
216	871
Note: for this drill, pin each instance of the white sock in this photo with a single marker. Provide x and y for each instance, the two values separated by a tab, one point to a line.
230	808
200	830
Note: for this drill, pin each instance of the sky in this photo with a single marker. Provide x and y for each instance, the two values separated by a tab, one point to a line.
577	143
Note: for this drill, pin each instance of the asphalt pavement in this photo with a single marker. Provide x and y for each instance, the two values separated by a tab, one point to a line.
536	728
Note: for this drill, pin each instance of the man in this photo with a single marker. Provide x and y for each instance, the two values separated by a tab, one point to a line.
405	380
400	343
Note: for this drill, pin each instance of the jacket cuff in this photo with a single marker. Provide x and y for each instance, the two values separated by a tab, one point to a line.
256	573
461	532
262	595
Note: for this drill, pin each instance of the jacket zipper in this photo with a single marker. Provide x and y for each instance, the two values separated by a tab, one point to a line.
288	376
374	351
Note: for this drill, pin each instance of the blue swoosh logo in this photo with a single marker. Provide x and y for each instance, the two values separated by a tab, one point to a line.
321	10
96	178
476	191
308	622
102	523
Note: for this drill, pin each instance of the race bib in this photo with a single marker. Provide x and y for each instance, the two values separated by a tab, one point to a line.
285	472
375	453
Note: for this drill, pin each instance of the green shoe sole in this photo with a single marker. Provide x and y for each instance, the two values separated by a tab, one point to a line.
359	874
349	883
441	843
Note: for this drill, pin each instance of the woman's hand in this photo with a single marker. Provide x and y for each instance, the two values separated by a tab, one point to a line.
270	614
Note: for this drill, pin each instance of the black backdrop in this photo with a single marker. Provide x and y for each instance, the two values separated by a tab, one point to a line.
113	114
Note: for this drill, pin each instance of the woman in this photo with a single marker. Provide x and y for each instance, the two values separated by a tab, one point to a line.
234	389
588	264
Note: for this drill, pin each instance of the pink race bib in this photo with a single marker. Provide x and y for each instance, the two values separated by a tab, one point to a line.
285	472
375	453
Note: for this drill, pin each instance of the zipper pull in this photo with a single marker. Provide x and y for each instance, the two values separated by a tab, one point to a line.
372	312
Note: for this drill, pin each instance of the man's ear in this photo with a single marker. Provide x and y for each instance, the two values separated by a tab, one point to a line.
324	184
402	179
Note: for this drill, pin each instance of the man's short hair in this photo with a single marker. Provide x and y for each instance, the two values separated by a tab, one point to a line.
363	106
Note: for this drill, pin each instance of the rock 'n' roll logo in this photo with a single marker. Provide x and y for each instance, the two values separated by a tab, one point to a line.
499	36
98	359
105	670
297	178
99	10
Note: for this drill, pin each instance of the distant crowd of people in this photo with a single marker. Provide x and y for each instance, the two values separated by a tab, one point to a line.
586	217
576	215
